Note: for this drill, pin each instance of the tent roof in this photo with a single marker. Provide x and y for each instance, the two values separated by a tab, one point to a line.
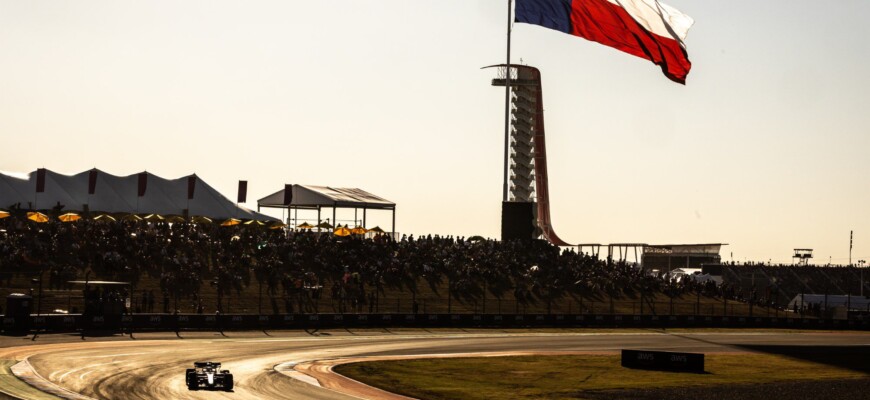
119	194
310	196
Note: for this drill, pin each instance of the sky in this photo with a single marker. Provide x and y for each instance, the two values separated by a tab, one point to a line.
766	148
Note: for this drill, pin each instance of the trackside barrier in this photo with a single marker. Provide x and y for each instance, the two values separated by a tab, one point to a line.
200	322
663	360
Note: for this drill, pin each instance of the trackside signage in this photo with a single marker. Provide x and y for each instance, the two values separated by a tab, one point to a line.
663	360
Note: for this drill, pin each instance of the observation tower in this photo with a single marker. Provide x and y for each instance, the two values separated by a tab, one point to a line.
526	201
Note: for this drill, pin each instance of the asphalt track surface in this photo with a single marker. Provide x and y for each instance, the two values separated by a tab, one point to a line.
284	365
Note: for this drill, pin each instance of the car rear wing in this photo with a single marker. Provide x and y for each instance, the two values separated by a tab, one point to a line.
206	364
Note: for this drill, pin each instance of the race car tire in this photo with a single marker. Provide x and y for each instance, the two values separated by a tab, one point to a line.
189	377
228	385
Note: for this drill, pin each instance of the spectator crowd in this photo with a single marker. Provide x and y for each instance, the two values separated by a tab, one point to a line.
305	265
301	267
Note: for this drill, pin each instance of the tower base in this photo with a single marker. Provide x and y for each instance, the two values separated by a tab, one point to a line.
518	220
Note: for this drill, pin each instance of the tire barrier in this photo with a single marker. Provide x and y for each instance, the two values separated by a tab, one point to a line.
200	322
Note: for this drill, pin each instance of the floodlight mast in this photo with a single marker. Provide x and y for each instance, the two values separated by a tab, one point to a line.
507	105
851	233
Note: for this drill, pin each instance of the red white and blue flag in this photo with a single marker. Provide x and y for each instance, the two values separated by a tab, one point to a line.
644	28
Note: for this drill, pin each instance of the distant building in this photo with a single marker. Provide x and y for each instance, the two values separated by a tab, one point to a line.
667	257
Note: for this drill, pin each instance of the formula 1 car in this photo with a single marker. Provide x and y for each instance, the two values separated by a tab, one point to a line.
208	375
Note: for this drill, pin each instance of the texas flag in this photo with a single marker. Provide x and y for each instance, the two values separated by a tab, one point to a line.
644	28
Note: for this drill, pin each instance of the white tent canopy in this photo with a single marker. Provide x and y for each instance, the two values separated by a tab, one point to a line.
119	194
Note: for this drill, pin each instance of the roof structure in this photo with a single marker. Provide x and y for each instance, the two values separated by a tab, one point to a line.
120	194
309	196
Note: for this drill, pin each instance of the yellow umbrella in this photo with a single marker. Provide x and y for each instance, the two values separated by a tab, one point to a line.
342	231
37	217
175	219
255	223
131	217
359	230
69	217
104	217
4	214
278	226
154	218
376	229
199	219
231	222
305	225
324	225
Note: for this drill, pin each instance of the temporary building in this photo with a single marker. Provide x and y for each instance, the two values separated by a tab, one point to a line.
312	197
98	191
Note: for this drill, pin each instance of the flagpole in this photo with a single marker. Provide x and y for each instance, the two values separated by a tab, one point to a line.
507	104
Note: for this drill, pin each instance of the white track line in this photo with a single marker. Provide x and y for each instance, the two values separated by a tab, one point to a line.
62	377
110	355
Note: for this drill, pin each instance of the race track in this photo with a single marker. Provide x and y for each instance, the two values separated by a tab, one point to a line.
152	366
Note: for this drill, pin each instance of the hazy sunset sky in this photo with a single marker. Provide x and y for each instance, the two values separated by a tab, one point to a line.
767	147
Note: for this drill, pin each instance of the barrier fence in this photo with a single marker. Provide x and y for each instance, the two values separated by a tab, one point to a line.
200	322
255	301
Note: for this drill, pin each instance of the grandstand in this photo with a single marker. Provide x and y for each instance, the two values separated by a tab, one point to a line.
203	267
781	283
187	264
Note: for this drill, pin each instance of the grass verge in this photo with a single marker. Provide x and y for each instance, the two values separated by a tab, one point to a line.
568	377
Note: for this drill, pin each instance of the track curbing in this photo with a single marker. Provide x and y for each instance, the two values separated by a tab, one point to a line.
24	371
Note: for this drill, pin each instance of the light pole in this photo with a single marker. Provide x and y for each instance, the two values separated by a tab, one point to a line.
39	299
214	283
861	265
